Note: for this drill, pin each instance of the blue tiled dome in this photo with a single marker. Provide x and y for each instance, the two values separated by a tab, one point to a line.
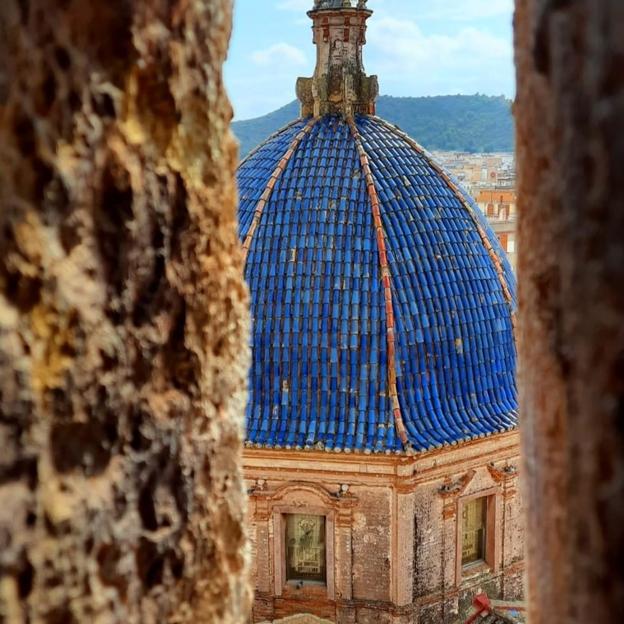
358	245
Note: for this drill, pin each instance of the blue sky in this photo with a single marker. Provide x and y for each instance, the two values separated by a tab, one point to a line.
416	47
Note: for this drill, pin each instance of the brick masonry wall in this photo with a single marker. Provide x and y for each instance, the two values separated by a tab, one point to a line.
397	503
442	595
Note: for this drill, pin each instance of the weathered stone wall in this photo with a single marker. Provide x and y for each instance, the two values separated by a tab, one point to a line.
340	84
391	505
122	316
441	596
372	539
570	119
361	544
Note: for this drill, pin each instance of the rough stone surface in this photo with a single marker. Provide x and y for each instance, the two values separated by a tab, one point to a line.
570	114
123	323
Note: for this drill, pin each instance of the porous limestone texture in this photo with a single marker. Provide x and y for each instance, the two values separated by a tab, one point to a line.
570	115
123	316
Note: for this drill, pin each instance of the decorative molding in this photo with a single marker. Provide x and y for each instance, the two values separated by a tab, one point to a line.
344	518
339	84
312	498
405	485
279	553
259	486
454	489
262	511
298	493
509	493
493	533
502	475
449	510
505	477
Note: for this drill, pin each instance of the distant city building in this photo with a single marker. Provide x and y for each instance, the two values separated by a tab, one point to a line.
381	447
491	179
475	171
499	206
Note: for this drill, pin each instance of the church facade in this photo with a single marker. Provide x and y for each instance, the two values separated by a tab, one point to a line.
401	535
382	449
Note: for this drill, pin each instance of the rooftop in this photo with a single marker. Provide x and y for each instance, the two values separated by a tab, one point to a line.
383	303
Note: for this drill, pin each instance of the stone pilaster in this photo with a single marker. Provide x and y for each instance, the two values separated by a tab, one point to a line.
263	607
404	554
345	612
263	547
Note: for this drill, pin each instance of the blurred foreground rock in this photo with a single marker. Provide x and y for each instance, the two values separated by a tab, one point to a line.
570	114
123	322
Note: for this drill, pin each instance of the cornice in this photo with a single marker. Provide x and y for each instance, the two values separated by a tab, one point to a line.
382	470
335	500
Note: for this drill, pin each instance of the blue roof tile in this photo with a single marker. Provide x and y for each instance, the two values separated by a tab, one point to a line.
319	375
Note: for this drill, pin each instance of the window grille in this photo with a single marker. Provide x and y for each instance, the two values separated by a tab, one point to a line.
305	548
474	526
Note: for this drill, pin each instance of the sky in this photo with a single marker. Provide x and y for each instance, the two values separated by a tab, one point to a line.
416	47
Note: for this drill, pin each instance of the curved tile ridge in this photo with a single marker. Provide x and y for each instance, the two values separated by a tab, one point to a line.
386	278
267	140
266	195
496	261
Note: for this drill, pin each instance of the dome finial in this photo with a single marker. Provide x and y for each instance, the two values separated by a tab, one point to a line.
338	4
340	84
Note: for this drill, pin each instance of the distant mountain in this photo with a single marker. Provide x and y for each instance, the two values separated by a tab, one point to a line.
466	123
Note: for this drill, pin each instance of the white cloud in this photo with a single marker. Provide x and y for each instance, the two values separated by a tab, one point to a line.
405	41
458	10
468	57
295	5
466	10
279	54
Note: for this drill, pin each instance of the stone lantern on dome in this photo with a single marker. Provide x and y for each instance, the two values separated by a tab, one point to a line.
339	84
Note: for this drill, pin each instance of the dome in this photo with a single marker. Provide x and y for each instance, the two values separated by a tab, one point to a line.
382	302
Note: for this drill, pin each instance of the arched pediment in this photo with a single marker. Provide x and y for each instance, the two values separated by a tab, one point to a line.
304	492
473	482
300	619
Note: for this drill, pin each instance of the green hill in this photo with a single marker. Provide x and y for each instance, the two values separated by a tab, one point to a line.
467	123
